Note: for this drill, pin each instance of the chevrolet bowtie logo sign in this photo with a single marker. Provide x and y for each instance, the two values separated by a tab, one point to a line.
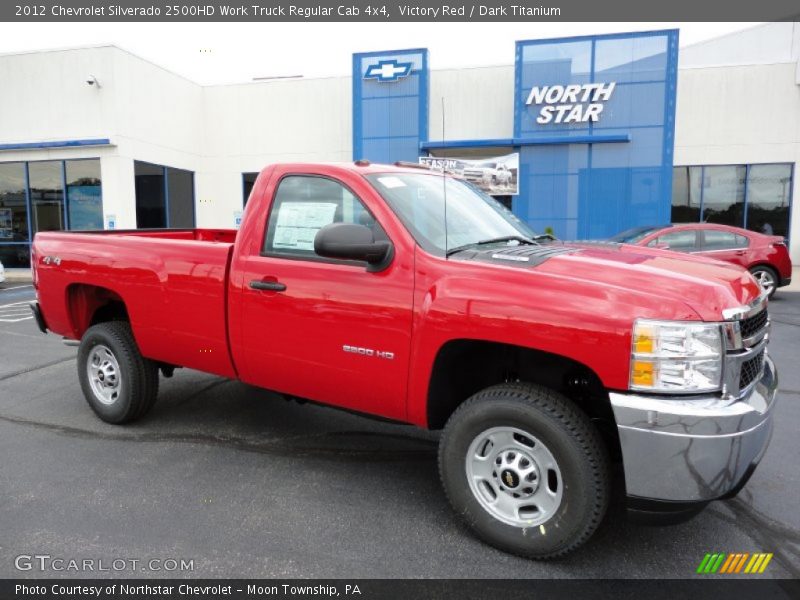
388	70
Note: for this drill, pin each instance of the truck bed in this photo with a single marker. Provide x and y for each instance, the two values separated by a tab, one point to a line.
173	284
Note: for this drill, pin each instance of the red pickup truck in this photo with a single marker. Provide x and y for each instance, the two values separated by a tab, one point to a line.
410	296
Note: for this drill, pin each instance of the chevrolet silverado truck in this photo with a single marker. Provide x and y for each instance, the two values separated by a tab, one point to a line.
414	297
488	174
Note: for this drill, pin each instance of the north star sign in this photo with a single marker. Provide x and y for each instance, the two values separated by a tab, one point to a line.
388	70
570	103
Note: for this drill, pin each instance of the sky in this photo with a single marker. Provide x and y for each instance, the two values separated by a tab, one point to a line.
221	53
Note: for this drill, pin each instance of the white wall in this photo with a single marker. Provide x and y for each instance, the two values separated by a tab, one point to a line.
45	96
478	103
768	43
249	126
158	119
741	114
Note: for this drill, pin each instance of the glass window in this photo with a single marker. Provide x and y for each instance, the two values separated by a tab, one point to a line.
632	235
47	195
303	205
249	180
15	255
151	208
472	215
768	193
723	195
679	241
180	189
722	240
13	204
636	59
686	194
84	196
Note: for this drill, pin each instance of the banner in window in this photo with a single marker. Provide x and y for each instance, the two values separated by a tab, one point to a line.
497	176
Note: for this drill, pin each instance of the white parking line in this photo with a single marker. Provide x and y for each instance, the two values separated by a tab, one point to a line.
16	287
15	312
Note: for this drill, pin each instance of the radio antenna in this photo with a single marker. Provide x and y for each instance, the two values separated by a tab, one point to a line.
444	186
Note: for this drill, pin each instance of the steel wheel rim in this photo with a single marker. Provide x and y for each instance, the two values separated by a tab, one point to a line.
104	375
765	280
514	476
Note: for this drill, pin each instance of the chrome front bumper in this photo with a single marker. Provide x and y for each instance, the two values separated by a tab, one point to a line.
694	449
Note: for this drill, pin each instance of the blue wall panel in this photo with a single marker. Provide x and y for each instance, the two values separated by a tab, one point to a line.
390	104
593	190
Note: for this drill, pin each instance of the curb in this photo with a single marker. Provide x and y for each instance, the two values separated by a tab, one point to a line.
18	275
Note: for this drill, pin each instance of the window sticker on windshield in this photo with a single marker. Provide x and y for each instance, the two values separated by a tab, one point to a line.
391	182
299	222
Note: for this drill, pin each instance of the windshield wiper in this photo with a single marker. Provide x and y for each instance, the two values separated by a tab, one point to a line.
498	240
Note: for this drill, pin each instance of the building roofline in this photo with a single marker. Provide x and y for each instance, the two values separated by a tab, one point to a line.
722	36
59	49
96	46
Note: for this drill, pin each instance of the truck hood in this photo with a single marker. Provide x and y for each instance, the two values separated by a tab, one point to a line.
706	286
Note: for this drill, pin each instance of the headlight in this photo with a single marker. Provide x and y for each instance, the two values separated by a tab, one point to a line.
676	357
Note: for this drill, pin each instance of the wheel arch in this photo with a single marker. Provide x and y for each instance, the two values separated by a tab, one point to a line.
89	304
463	367
762	263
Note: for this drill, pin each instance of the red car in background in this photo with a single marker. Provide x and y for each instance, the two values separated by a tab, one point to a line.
765	256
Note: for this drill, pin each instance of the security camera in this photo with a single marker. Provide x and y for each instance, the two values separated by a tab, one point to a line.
92	80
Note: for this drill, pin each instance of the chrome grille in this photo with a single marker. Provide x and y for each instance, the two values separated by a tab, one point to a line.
751	370
746	330
753	325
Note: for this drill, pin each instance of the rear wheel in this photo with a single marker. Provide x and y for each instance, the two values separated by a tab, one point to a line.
119	384
525	469
767	278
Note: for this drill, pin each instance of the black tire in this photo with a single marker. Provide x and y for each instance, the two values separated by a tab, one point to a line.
137	376
570	438
760	271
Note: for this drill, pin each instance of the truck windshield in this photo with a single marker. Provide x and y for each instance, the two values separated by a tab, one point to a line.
473	217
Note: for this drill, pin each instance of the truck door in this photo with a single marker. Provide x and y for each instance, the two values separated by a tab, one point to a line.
322	329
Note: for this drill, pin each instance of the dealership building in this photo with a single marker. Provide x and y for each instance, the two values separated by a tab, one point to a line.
607	132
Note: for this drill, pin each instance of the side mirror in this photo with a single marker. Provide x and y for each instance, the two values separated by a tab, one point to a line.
348	241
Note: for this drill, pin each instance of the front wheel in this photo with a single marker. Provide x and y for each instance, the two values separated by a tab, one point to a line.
119	384
767	278
525	469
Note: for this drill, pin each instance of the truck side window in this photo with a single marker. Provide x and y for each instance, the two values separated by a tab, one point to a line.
305	204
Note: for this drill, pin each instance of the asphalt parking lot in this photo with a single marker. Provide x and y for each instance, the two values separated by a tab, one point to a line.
246	484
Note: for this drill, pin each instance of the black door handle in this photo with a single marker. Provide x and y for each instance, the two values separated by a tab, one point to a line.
268	286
